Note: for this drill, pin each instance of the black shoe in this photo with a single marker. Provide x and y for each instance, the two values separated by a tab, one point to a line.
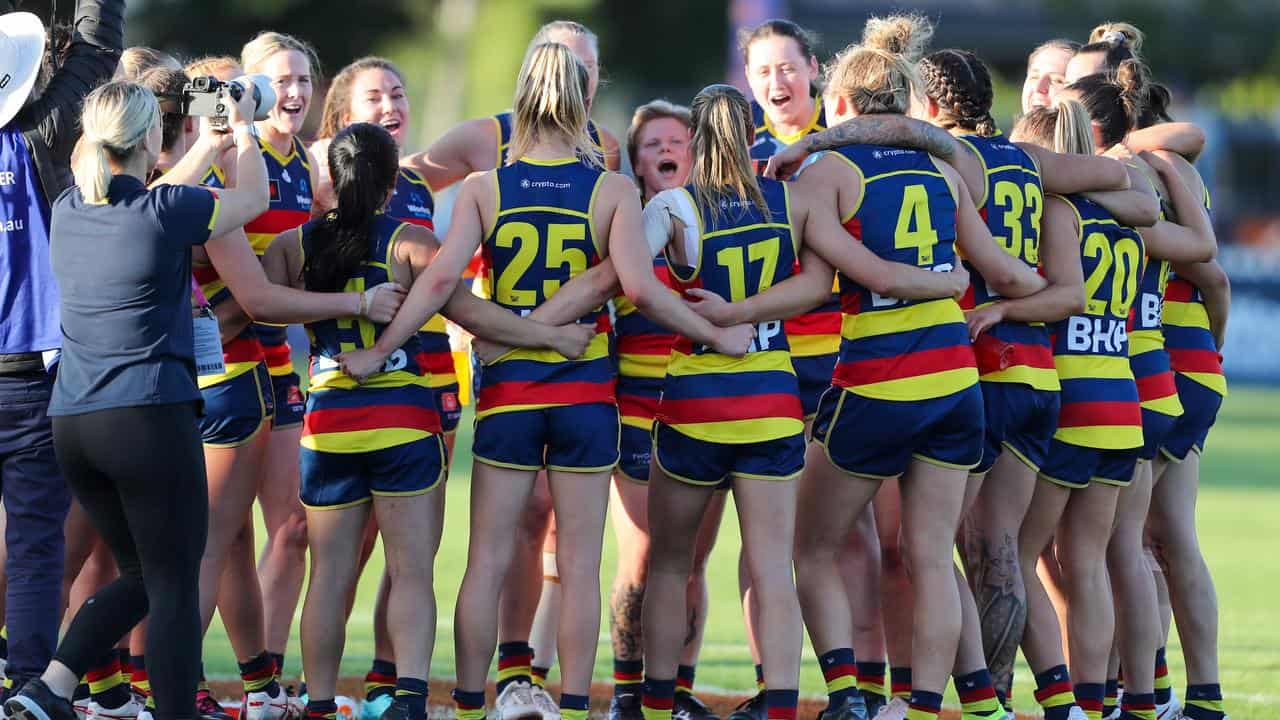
753	708
687	706
37	702
875	702
853	708
625	706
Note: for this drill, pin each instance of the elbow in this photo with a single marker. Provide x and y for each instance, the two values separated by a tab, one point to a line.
885	284
1147	212
258	306
1074	300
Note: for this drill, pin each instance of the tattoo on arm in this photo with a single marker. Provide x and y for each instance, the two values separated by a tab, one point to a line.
893	130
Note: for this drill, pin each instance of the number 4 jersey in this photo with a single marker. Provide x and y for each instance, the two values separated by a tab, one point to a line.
544	236
902	350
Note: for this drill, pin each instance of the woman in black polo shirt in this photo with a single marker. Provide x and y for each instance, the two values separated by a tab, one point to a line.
125	402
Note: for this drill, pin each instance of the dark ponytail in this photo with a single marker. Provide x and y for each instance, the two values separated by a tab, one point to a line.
363	163
960	84
1115	101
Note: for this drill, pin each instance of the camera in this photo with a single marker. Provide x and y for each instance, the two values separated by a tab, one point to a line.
212	98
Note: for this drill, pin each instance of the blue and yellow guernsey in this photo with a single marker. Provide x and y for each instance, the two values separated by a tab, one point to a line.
503	127
755	398
392	407
902	350
1010	352
1100	407
544	237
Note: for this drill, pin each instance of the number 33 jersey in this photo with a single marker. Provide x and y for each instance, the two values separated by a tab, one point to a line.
544	236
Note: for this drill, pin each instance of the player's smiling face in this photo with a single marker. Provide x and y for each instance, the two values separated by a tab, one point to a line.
663	155
290	74
780	77
378	97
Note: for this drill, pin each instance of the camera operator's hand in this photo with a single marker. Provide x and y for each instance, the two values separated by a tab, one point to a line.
241	111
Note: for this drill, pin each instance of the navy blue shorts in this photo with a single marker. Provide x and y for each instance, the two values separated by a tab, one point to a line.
449	407
290	403
1200	406
574	438
1019	418
814	374
331	480
635	449
879	438
1074	467
1156	426
235	409
715	465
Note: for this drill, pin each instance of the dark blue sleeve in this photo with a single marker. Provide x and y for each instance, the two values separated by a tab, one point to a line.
186	214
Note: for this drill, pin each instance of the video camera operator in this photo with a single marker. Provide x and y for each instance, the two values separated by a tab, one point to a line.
39	126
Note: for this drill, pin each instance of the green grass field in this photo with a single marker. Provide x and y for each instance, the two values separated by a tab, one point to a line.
1239	523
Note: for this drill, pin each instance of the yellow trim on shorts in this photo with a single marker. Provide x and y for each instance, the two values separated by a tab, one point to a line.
342	506
1025	460
585	471
768	478
505	466
1062	483
943	464
239	443
1112	483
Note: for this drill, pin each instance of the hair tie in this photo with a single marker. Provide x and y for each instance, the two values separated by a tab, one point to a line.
1115	37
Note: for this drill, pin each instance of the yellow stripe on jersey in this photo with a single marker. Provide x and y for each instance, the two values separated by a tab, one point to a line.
1102	437
1185	314
335	379
233	370
919	387
358	441
745	431
597	348
903	319
642	366
1213	381
1145	341
813	345
1104	367
1169	405
682	364
1038	378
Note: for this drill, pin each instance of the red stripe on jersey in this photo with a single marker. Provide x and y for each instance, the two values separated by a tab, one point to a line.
637	406
1195	361
814	323
371	417
1154	387
242	349
436	363
1099	412
645	344
923	362
1180	291
277	355
994	354
276	221
515	392
725	409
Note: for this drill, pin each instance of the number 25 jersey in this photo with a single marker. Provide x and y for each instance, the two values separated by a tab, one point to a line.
544	237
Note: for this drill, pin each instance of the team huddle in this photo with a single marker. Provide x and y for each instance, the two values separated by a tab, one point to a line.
887	328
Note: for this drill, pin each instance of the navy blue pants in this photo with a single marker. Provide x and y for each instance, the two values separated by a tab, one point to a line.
36	501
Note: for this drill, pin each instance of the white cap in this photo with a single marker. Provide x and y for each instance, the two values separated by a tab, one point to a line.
21	52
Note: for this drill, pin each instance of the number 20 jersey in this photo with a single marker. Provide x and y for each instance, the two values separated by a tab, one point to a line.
544	237
902	350
1091	348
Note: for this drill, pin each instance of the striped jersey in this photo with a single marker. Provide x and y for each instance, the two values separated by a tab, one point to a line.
1100	406
289	189
244	351
713	397
394	406
643	348
902	350
817	332
1010	352
1193	353
411	202
1147	356
544	237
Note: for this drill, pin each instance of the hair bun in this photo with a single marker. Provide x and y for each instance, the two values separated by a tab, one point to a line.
905	35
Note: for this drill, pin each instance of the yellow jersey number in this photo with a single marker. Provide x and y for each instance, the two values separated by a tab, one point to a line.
735	259
1122	263
526	240
358	326
1015	202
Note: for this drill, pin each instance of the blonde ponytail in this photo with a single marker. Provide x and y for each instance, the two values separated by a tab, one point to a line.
1072	130
905	35
551	101
116	118
722	132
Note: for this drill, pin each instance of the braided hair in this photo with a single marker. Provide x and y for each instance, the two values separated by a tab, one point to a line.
961	86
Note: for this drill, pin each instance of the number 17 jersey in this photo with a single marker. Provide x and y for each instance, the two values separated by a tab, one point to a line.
544	237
